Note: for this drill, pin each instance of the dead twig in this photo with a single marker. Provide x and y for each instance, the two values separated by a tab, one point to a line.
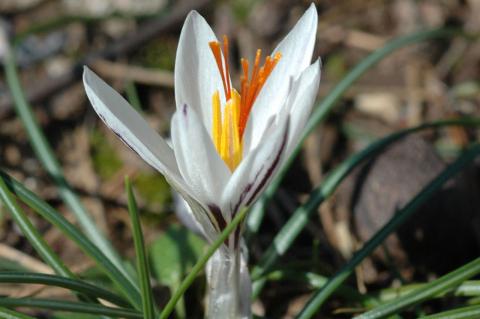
24	260
136	74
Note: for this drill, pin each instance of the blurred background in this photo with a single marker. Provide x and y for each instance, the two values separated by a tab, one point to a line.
132	43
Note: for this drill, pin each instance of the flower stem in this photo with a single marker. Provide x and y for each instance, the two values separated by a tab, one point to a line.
201	263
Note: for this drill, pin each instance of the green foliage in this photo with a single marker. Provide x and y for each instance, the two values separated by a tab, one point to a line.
153	189
158	54
44	152
143	270
105	160
243	8
336	66
68	315
174	253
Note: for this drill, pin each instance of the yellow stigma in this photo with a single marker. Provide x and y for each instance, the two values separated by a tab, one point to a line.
227	133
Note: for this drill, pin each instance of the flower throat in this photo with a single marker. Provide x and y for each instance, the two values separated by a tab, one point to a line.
227	132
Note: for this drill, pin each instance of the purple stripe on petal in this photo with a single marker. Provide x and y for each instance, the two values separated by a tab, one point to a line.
217	214
270	170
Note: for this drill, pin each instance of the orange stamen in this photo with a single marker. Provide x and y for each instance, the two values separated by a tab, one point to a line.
227	134
227	71
251	89
217	53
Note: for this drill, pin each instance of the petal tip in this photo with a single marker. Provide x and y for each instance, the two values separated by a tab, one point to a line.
89	77
193	17
86	73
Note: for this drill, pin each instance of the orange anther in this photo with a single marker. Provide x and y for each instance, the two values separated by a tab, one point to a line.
217	53
228	93
249	88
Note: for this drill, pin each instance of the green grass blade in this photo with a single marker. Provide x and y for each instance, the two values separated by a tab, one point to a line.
401	216
10	314
441	285
35	239
292	228
471	312
469	288
57	281
31	233
142	262
51	215
132	95
70	306
326	105
200	264
46	155
318	281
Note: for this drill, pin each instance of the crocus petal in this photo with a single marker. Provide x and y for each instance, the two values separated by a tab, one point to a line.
296	49
256	170
131	128
204	217
196	73
300	102
184	213
228	286
198	161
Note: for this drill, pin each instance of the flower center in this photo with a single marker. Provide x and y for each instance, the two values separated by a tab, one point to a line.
228	129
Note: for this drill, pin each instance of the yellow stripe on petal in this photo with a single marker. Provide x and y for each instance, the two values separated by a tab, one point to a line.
217	120
227	133
230	145
236	138
225	145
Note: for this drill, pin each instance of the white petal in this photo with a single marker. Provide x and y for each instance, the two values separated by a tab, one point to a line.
184	213
248	135
202	215
256	170
228	286
300	102
198	161
196	73
296	49
131	128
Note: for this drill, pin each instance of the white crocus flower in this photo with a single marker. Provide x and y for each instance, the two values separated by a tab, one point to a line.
227	144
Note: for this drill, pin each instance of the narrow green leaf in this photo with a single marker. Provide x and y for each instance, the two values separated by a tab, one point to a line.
132	95
318	281
469	288
298	220
70	306
142	262
471	312
52	216
173	254
57	281
31	233
46	155
201	263
441	285
326	105
34	237
10	314
400	217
